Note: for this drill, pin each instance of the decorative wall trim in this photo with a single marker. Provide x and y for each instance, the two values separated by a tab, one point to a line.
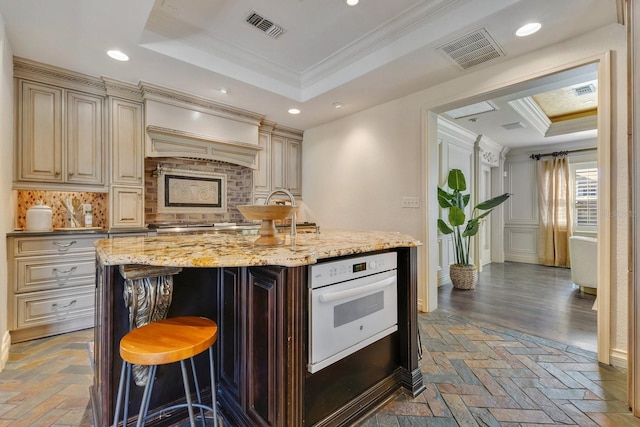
180	99
521	244
191	191
575	125
24	68
489	158
122	90
176	143
532	113
488	151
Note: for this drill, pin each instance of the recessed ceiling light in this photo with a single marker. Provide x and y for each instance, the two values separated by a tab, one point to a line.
337	105
223	90
118	55
352	2
528	29
294	111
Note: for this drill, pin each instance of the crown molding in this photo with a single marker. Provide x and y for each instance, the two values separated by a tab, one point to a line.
197	103
532	113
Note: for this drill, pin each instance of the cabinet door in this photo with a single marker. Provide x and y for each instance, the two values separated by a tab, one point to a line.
294	166
278	172
85	142
40	133
262	176
231	334
127	207
127	147
264	356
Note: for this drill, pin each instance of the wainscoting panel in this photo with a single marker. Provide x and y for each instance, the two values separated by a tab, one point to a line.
521	244
522	207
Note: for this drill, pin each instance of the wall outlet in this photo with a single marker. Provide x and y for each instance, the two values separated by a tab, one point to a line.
410	202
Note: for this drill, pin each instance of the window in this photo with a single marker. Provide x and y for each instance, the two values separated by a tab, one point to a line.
585	178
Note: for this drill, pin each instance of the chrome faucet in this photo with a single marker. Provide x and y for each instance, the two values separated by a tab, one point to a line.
293	204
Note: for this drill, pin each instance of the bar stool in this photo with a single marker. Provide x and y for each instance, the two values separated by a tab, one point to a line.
162	342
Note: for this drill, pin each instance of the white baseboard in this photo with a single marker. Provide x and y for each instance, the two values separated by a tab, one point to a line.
527	259
618	358
4	349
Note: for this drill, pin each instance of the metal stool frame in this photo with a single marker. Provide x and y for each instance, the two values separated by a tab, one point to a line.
143	415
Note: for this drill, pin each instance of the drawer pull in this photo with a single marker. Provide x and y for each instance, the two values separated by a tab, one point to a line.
65	245
62	311
71	270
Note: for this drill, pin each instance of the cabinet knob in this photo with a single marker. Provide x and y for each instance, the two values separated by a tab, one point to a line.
70	173
57	173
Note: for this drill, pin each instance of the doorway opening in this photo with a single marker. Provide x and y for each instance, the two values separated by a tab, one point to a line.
432	172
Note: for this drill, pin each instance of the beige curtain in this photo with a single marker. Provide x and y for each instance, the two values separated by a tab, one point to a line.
555	213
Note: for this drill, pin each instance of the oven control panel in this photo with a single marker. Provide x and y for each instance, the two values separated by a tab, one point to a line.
327	273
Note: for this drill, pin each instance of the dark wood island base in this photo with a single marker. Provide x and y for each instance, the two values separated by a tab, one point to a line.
261	352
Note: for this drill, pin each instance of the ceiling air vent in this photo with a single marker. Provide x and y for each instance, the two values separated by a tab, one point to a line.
265	25
514	125
584	90
472	49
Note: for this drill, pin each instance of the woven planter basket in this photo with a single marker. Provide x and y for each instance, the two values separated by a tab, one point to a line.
463	276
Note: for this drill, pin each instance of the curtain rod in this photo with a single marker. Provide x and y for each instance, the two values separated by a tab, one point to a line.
560	153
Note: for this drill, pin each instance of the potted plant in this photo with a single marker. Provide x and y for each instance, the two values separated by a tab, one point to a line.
464	275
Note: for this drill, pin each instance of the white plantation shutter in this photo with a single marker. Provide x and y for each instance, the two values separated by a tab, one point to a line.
586	197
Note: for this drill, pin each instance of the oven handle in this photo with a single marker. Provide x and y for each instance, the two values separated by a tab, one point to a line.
338	295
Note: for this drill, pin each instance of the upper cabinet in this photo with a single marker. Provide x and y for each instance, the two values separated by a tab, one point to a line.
262	175
127	143
279	163
60	136
293	165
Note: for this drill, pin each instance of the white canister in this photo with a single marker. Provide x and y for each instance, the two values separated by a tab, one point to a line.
39	217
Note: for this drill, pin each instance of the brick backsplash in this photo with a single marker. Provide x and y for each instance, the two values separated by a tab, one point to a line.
239	190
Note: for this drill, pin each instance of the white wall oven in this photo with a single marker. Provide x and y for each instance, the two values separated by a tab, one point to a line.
352	303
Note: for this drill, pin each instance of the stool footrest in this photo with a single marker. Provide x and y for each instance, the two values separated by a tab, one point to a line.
162	411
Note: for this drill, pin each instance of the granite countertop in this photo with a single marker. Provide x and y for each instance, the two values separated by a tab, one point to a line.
226	250
75	230
56	232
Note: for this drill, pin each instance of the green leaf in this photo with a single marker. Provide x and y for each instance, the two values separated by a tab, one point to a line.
492	203
472	228
456	216
465	200
456	180
444	198
484	214
444	228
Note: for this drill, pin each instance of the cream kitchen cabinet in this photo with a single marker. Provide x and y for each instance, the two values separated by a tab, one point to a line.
51	284
279	165
60	137
127	143
127	164
262	175
127	207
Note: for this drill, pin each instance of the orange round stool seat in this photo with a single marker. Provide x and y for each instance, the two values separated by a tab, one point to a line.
176	339
169	340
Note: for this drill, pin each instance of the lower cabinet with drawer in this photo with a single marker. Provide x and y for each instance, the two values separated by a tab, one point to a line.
52	284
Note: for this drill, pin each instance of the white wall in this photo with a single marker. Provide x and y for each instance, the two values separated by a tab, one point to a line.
355	170
6	174
521	210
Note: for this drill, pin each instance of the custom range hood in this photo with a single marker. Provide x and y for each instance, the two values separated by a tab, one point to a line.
181	125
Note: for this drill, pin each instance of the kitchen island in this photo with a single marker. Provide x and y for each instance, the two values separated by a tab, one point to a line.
259	297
